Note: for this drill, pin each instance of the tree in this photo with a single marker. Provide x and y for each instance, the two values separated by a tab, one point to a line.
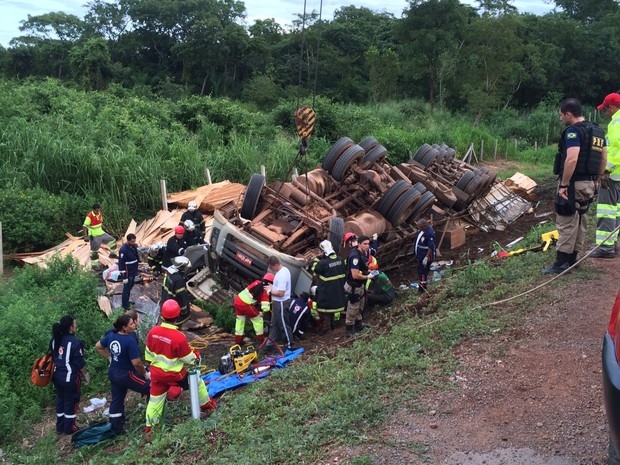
90	62
429	31
383	73
587	11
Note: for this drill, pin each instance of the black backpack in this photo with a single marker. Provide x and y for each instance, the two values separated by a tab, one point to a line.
93	434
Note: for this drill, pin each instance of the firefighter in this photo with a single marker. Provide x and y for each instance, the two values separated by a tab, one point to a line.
330	298
195	217
424	251
174	287
176	245
169	354
245	304
192	235
357	274
156	258
94	233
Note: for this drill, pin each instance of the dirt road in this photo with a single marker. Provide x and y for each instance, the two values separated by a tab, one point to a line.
530	396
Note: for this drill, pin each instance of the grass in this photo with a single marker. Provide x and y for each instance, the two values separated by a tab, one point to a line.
339	397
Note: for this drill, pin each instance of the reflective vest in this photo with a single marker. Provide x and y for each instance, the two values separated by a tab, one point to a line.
94	224
254	293
167	349
613	149
591	144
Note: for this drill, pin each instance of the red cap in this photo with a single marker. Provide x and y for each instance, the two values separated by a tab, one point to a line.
179	229
348	236
269	277
611	100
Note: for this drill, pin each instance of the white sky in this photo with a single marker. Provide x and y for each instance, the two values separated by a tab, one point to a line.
283	11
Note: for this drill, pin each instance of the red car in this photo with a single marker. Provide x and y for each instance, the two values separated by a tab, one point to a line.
611	381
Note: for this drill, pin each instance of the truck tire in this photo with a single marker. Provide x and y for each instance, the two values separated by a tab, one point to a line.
420	187
390	196
252	196
419	155
368	144
335	232
426	201
430	157
345	161
335	151
465	179
374	155
403	207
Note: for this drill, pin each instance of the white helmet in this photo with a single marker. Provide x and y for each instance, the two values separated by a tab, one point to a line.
180	262
327	247
192	206
313	291
189	225
155	248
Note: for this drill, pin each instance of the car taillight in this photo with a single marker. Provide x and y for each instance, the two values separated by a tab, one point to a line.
614	326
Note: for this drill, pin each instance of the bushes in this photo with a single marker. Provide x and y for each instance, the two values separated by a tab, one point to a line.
33	219
29	304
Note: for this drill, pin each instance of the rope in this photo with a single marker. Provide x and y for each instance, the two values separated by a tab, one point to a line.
552	279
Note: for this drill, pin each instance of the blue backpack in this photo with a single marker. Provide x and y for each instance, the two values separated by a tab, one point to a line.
93	434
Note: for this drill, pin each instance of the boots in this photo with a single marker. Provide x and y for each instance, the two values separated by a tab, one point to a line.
561	263
573	259
359	326
350	331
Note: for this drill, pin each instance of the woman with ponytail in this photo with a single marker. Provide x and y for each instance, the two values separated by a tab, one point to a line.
120	347
68	352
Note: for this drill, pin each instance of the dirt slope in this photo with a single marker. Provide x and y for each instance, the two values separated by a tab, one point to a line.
530	396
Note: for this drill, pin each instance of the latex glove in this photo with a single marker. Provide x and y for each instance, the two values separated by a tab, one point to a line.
425	261
86	238
125	281
147	375
375	236
604	180
86	378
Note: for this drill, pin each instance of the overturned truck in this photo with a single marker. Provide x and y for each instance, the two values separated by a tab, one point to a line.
355	189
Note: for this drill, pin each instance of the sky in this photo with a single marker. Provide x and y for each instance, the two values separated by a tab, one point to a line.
283	11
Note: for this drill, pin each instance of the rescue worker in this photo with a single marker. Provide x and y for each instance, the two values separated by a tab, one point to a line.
126	370
70	372
155	258
176	245
330	298
192	235
196	217
357	275
380	291
174	287
350	242
300	314
608	205
245	304
424	252
94	233
128	265
169	355
581	158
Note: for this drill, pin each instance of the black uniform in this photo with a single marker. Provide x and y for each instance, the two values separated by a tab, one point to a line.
174	248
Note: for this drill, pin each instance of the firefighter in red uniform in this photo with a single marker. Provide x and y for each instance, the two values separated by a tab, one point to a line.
169	354
246	307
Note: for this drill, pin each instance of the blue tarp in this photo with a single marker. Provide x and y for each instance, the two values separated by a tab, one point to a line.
217	386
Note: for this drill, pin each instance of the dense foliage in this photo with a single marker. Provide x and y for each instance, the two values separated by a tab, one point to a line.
30	303
447	53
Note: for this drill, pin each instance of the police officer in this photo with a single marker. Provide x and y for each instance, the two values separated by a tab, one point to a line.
330	297
424	251
581	158
357	274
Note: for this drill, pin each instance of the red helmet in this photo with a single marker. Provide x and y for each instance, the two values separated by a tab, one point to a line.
179	229
269	277
170	309
349	236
